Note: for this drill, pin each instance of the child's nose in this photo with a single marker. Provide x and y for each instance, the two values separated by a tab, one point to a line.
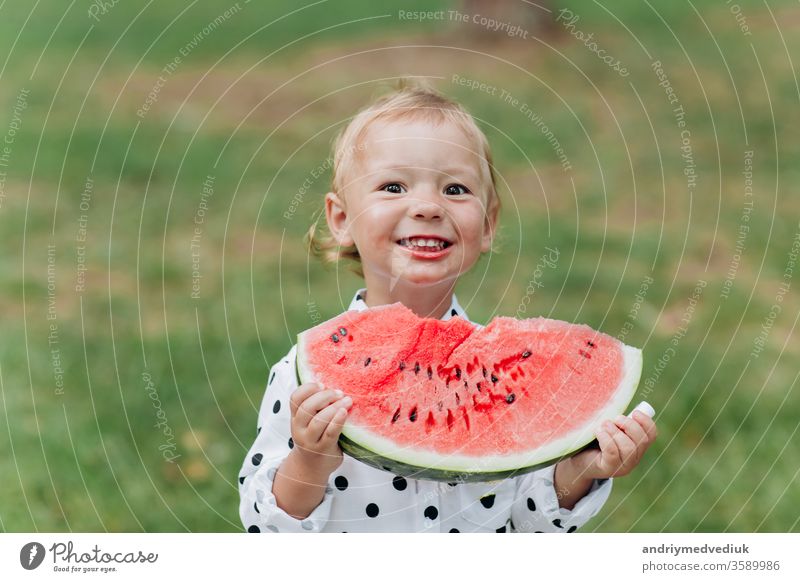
425	207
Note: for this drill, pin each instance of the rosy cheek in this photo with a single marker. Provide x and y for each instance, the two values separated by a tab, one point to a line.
373	230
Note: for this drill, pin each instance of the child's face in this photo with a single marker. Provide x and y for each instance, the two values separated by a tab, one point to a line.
413	181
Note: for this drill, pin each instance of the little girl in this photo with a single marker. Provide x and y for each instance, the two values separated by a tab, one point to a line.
414	204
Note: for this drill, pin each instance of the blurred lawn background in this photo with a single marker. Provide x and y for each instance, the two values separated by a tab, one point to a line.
254	102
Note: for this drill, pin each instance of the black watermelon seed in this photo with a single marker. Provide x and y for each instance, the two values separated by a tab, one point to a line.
255	506
396	415
484	371
453	312
340	482
402	365
458	373
510	397
501	529
454	530
431	512
590	344
291	443
430	373
458	398
478	386
487	501
416	367
335	338
253	529
367	361
241	480
257	459
399	483
358	297
557	523
526	354
572	528
343	331
276	407
531	504
372	510
452	484
271	378
413	416
494	379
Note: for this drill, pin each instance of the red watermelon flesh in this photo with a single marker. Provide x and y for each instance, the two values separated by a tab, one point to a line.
450	400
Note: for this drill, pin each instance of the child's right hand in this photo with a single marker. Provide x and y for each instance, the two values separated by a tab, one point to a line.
317	419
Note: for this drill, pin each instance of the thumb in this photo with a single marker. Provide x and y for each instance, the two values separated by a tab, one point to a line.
608	447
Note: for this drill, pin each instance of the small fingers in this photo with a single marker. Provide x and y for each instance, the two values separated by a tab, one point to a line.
632	428
626	445
299	395
647	424
321	421
334	428
314	403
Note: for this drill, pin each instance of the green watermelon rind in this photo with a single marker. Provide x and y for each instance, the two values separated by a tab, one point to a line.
378	451
433	474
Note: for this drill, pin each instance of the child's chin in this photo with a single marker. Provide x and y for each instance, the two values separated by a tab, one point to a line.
424	279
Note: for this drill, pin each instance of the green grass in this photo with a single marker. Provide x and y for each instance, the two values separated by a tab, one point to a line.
89	459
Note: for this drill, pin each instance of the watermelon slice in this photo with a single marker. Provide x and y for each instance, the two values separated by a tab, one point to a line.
451	401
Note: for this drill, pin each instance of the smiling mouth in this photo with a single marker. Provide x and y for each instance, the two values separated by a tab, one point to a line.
424	244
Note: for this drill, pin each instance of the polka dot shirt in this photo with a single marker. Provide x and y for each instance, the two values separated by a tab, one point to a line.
360	498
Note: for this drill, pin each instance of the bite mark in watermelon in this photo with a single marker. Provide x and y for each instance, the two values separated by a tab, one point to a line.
449	401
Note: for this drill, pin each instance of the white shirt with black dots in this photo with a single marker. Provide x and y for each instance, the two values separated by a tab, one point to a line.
360	498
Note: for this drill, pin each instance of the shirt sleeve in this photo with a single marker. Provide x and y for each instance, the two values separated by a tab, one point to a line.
258	508
535	507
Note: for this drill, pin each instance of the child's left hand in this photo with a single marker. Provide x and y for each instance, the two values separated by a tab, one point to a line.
622	442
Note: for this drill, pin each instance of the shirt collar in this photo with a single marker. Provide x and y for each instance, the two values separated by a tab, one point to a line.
358	304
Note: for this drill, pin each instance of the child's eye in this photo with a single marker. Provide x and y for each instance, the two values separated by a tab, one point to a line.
393	188
456	189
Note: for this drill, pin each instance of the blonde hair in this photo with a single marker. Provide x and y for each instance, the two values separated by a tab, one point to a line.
412	100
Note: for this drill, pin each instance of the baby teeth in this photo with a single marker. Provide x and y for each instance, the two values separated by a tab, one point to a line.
422	243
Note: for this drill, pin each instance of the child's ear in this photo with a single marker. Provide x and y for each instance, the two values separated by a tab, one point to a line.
489	226
336	215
